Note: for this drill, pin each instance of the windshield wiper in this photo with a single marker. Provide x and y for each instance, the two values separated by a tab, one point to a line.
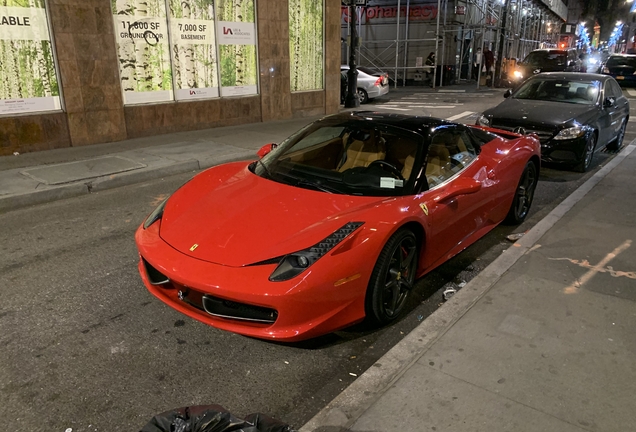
267	171
311	183
317	185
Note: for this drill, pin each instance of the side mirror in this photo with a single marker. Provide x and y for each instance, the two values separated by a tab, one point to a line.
263	151
608	102
507	93
461	186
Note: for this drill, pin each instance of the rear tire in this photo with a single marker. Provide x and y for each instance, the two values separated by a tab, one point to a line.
363	96
392	279
524	194
616	145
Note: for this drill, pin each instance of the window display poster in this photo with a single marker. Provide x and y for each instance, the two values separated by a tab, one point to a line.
141	29
306	44
236	33
28	80
193	49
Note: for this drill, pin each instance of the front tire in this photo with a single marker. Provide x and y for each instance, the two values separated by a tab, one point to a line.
392	279
590	145
524	194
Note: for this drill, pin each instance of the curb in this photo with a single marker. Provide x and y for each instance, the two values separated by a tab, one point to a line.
13	202
83	187
343	411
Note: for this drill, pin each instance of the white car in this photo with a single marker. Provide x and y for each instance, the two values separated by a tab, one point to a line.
371	84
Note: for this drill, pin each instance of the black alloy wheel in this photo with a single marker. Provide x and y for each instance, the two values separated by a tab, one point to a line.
616	145
363	96
392	279
523	195
590	145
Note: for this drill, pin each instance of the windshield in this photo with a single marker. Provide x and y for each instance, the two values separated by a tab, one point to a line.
559	90
345	156
546	58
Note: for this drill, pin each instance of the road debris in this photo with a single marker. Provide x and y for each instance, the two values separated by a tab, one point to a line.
514	237
448	293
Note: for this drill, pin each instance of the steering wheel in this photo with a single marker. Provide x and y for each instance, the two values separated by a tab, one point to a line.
389	167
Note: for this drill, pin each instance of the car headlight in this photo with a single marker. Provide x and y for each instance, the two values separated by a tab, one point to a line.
570	133
294	264
156	214
482	120
517	74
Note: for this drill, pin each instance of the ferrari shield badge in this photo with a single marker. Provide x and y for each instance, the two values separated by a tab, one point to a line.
194	246
424	208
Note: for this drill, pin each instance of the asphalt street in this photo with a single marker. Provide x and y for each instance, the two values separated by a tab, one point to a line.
84	345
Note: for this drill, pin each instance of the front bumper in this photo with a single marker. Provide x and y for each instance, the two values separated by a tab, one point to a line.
314	303
564	152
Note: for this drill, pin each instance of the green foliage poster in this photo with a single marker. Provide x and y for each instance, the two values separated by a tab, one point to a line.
141	28
237	46
306	41
28	80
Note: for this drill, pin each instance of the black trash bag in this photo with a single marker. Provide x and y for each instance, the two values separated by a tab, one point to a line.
211	418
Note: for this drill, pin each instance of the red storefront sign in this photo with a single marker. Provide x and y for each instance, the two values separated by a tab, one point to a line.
422	12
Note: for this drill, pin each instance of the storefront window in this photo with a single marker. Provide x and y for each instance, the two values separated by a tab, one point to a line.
193	49
28	80
237	47
141	29
306	41
201	48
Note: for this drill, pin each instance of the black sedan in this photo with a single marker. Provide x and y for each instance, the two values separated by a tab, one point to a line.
622	67
573	114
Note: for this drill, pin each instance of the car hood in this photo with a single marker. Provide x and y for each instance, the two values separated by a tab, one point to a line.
534	112
237	218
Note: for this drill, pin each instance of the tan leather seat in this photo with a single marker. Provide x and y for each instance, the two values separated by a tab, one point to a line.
437	164
362	153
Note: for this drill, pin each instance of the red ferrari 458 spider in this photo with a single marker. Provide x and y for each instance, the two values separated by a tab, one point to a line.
333	225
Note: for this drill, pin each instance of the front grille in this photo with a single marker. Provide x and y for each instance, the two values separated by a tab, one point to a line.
155	277
222	308
544	136
239	311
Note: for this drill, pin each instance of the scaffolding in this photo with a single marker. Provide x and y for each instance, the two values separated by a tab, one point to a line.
509	28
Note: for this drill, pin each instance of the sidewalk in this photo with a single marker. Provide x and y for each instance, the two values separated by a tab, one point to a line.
33	178
542	340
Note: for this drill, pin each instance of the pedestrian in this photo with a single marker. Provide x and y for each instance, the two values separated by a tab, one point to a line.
430	62
476	63
489	60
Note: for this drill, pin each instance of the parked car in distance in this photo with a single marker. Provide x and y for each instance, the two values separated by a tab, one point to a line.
573	114
621	67
334	225
546	60
371	83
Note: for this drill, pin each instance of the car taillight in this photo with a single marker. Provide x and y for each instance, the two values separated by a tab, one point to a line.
378	82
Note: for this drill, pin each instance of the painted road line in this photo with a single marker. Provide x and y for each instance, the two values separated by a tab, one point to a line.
451	91
412	102
458	116
631	92
432	106
394	108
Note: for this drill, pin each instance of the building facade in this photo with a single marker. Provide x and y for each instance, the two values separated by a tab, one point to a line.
80	72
